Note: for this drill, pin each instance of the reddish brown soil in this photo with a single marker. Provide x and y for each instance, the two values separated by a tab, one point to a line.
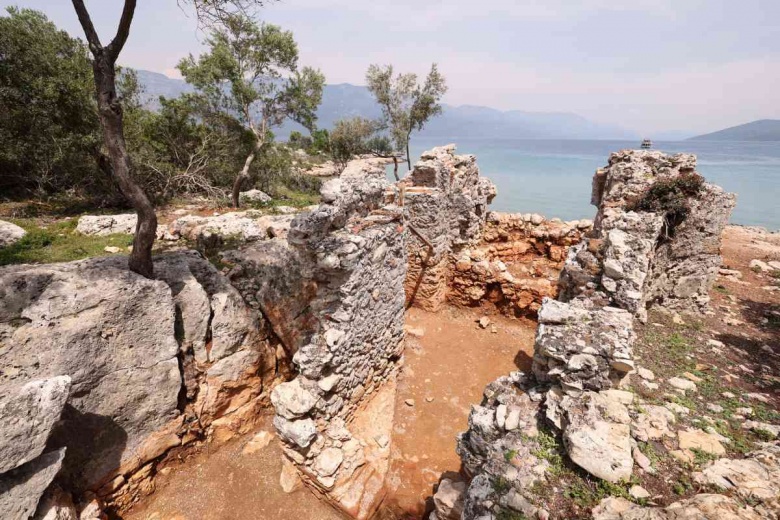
225	484
451	364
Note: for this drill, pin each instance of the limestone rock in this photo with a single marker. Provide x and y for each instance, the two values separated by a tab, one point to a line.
289	480
10	233
258	442
301	432
682	384
255	196
28	412
594	438
22	488
112	332
757	475
704	506
291	400
700	440
328	461
448	499
102	225
652	424
56	505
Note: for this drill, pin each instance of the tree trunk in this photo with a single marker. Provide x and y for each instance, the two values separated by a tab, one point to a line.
408	157
110	113
395	168
243	175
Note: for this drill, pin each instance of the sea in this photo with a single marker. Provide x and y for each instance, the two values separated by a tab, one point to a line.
553	177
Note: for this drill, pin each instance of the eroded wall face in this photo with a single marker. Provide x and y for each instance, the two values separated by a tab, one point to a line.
344	330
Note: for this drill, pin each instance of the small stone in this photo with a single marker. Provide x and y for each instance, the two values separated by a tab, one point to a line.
328	462
727	395
677	319
758	397
714	408
429	399
258	442
645	374
484	321
685	456
638	492
409	402
715	343
691	377
112	249
682	384
415	332
288	478
642	461
759	265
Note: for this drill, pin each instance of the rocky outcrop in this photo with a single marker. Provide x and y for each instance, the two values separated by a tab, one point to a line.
700	506
10	233
150	365
653	242
250	225
333	292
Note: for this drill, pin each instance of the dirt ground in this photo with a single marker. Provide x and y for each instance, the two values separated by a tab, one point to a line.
225	484
446	369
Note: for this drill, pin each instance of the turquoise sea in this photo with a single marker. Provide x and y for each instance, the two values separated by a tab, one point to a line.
553	177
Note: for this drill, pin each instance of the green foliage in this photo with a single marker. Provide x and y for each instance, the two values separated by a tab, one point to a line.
320	141
250	73
299	141
48	120
406	105
357	136
671	197
58	243
509	455
501	485
510	514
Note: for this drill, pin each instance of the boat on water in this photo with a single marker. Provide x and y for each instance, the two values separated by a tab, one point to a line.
647	144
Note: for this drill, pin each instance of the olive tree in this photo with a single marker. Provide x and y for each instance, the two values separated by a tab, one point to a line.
104	58
251	72
406	104
357	136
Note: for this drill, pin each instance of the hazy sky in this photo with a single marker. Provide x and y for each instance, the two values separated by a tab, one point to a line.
649	65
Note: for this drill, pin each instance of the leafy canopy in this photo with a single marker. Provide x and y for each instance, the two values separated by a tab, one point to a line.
251	72
406	104
48	121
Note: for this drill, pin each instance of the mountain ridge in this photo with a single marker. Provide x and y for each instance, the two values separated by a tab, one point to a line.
456	122
758	130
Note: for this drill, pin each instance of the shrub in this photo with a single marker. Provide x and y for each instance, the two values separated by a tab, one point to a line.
670	197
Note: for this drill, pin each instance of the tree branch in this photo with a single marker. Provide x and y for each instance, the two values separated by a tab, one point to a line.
123	31
86	24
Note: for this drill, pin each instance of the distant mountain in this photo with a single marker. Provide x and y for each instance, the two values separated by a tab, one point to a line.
345	100
761	130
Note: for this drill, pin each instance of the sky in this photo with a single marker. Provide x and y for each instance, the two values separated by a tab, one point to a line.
658	67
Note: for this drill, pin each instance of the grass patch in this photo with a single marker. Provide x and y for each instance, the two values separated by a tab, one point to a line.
510	514
501	485
58	242
510	455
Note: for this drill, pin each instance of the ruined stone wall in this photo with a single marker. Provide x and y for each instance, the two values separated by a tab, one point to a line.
339	281
151	365
584	340
460	253
515	264
445	204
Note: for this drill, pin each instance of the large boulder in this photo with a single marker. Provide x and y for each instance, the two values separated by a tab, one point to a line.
28	412
21	488
112	332
10	233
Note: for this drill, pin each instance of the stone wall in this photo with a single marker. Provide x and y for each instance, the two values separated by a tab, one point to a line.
445	204
339	281
151	365
459	253
584	340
